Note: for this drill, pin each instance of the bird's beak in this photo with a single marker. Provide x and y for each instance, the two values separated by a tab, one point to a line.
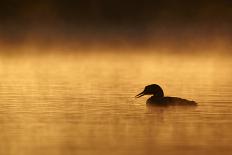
140	95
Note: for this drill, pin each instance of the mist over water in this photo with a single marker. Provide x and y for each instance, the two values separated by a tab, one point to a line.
69	71
83	103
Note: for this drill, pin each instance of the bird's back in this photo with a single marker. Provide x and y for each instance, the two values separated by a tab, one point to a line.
170	101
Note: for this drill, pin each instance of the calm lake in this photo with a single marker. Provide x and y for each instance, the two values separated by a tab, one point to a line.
57	104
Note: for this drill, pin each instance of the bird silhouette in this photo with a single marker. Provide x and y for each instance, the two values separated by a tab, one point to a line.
158	97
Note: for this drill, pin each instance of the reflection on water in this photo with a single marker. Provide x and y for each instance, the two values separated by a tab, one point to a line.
83	104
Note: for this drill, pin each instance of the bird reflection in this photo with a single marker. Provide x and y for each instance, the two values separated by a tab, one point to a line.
158	97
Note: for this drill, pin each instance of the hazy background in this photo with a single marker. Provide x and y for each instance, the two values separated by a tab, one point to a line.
175	25
69	71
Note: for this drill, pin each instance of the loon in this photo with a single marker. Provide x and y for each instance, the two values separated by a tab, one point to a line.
158	97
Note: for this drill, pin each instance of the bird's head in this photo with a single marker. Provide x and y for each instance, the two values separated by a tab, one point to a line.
152	89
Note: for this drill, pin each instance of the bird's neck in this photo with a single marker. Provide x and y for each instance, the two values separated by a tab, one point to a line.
156	98
160	94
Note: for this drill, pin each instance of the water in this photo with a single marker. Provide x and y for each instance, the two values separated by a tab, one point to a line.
84	104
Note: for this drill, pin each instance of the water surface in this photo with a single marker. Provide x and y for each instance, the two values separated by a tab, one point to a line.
84	104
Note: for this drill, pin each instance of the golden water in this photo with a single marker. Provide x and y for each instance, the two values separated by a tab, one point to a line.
84	104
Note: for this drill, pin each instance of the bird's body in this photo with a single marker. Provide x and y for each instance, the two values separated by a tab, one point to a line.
169	101
158	97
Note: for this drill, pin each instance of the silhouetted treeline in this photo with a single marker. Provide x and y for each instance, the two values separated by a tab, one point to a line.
123	12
